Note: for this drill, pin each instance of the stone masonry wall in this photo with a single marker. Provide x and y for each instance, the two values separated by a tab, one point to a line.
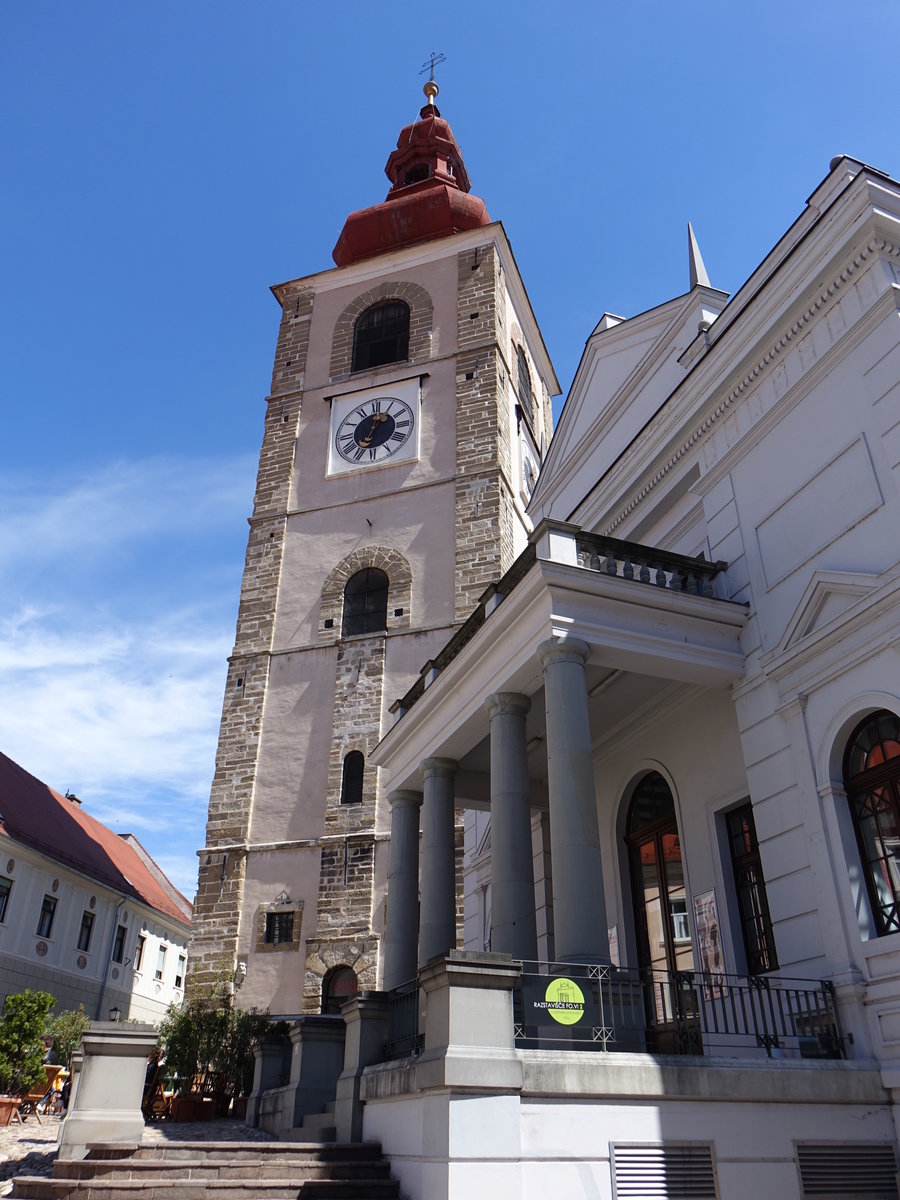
347	872
483	437
220	891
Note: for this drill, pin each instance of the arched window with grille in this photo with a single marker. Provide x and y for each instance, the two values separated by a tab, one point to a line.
872	783
381	335
352	778
365	602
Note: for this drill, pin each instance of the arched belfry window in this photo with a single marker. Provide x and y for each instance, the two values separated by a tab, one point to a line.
365	602
352	778
872	783
381	335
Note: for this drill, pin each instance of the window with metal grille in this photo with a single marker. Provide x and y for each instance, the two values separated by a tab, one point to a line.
753	904
87	928
835	1172
872	783
352	778
279	927
381	335
365	602
5	889
119	944
670	1172
45	920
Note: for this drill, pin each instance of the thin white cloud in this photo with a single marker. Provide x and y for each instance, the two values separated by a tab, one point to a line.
114	651
122	504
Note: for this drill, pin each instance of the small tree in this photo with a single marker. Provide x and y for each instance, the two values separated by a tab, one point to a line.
66	1029
208	1046
21	1041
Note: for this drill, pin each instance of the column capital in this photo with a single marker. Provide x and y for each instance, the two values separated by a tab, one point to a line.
507	702
556	650
440	766
404	798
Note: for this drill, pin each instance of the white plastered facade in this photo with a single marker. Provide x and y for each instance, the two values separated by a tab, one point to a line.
762	432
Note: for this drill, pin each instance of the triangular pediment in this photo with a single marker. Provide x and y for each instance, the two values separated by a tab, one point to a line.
829	595
627	370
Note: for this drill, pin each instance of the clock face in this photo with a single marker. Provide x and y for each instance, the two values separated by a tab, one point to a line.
374	430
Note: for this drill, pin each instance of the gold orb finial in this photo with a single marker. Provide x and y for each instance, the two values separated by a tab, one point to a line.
431	90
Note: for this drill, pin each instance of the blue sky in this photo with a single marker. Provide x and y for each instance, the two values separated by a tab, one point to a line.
164	163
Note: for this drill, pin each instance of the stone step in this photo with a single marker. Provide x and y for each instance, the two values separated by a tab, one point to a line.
38	1188
301	1167
323	1135
295	1151
301	1170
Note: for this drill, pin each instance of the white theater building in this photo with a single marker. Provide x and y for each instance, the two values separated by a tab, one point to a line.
674	725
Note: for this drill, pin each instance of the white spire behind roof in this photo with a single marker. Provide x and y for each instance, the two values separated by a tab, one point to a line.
695	261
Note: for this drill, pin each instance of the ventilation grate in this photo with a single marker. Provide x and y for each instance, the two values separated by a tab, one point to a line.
672	1172
860	1172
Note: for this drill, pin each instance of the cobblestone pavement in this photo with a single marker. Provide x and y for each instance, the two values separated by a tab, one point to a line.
29	1148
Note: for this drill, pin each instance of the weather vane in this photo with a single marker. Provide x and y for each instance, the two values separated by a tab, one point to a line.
431	63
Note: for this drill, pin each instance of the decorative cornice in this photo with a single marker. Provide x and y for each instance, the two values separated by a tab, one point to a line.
876	245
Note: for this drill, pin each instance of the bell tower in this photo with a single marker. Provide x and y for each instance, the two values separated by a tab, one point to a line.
408	413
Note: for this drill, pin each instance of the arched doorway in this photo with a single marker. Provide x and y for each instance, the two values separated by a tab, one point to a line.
662	928
338	986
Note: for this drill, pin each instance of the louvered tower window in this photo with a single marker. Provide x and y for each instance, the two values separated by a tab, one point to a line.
523	384
381	335
365	602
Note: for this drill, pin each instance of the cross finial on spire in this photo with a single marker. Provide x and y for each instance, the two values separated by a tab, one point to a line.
431	88
431	63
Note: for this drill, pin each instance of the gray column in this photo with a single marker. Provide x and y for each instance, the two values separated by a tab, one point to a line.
513	928
579	908
401	931
437	919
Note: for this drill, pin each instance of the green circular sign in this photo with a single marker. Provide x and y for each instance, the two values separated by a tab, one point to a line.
564	1000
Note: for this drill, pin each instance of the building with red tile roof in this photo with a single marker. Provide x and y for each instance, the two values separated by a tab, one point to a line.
85	913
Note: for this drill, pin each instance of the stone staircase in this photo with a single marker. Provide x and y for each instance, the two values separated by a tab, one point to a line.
217	1171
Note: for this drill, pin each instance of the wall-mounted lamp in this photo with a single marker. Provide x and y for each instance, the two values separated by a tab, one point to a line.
115	1013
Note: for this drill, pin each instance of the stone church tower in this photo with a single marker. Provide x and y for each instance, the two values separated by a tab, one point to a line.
408	413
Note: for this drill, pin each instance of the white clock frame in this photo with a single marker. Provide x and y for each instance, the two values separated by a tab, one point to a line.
407	392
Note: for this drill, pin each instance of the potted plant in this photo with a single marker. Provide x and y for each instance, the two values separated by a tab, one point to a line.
236	1064
22	1047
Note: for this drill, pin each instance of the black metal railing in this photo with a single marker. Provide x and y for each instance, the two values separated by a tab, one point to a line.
587	1007
631	560
403	1038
